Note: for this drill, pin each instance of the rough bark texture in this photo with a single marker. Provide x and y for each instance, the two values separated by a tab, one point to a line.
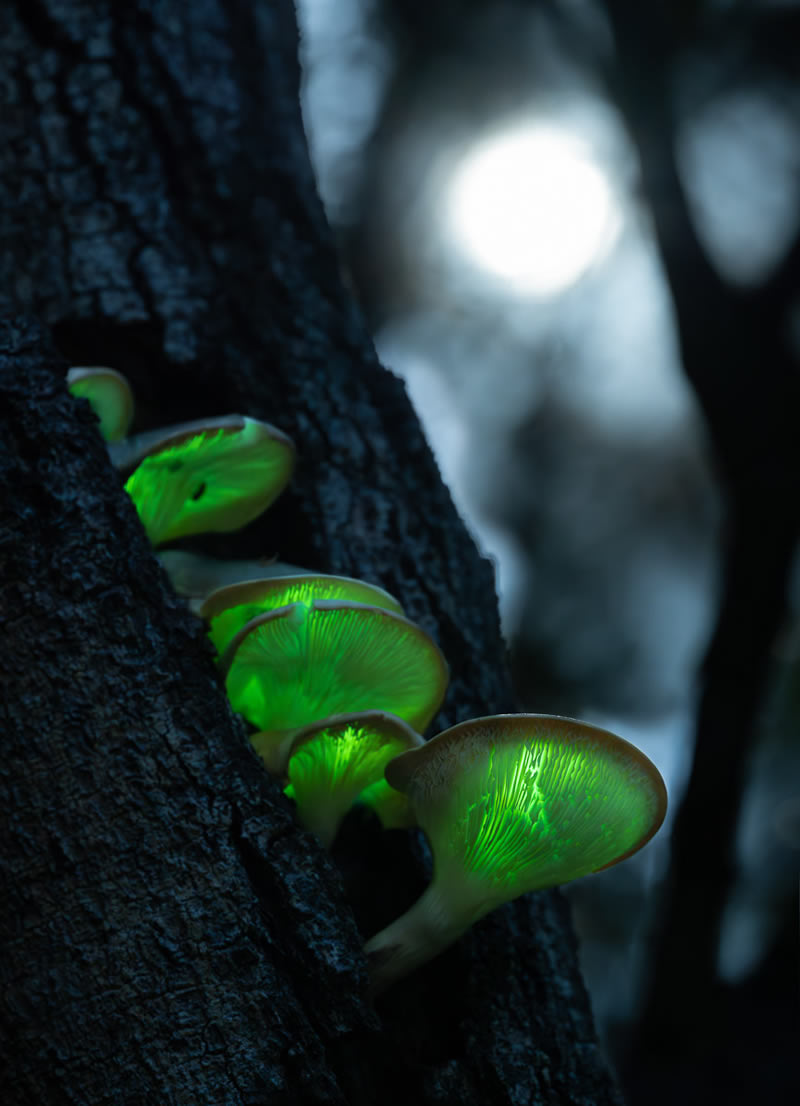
169	934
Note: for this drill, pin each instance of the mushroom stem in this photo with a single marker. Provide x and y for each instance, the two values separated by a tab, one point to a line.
425	930
273	747
322	819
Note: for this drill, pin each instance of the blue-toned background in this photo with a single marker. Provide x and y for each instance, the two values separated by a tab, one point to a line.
482	166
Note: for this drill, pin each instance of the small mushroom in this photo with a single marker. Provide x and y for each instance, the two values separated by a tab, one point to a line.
196	575
230	608
333	761
299	664
109	395
510	804
216	474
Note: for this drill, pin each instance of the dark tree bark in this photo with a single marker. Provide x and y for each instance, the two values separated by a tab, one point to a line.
169	934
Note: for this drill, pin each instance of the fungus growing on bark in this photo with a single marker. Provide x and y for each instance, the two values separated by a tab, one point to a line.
195	575
333	761
299	664
391	807
109	395
215	474
510	804
230	608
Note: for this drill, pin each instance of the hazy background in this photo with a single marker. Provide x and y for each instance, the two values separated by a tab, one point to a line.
493	221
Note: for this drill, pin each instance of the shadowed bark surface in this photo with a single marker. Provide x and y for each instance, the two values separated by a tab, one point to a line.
169	934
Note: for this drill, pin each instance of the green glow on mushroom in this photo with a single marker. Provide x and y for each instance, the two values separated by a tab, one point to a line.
215	475
390	806
331	762
228	609
512	804
109	395
299	664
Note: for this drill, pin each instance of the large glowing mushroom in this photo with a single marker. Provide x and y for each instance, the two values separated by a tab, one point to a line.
299	664
511	804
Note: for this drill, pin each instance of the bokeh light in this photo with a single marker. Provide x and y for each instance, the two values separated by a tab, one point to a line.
531	206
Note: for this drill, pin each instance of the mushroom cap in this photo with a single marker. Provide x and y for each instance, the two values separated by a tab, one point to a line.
109	395
290	667
215	474
331	762
230	608
196	575
517	802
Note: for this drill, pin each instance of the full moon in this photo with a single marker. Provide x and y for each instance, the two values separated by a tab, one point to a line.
532	207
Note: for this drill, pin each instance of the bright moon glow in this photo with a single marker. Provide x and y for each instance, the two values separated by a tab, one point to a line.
532	207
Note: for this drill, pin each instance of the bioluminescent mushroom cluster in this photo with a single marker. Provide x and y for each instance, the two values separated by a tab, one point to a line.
299	652
339	686
300	664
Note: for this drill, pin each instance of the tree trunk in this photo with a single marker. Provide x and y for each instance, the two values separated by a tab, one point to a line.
170	935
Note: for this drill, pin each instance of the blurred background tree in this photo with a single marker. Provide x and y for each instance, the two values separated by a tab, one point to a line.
574	228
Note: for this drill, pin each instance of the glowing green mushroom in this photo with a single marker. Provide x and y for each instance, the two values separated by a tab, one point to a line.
217	474
391	807
229	608
332	761
109	395
301	663
512	804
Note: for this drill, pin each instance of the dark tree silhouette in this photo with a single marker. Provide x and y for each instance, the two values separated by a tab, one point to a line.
169	934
